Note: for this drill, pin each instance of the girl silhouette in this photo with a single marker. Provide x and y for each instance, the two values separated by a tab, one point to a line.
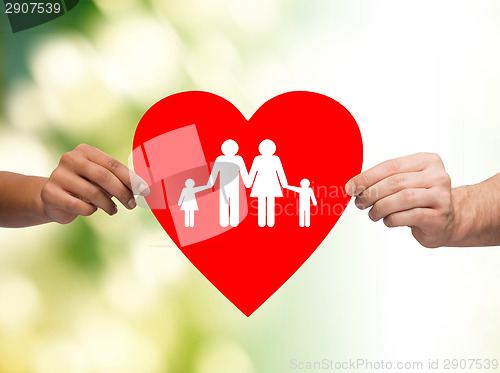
268	174
188	203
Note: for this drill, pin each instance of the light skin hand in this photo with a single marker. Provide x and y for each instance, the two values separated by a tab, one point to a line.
85	179
412	191
415	191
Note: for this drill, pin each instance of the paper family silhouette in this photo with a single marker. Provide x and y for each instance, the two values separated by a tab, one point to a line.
266	177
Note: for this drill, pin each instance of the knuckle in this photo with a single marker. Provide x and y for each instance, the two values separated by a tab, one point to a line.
113	163
444	178
94	192
433	158
392	166
408	195
101	175
67	158
366	179
417	214
124	194
397	181
82	147
71	204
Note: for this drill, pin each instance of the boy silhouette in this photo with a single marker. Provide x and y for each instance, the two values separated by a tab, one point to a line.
306	195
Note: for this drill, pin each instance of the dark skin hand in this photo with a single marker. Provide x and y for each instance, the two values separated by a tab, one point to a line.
85	180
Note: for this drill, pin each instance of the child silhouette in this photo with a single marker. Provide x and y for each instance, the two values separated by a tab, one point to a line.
306	195
187	201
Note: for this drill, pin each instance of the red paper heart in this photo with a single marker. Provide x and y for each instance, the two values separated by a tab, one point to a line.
180	137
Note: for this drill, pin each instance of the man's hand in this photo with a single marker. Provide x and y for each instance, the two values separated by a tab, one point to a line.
413	191
85	180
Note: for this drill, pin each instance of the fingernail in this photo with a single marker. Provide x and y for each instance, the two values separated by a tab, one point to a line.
143	190
360	206
350	188
131	203
370	215
115	210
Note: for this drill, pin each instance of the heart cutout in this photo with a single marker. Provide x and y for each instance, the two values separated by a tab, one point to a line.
180	138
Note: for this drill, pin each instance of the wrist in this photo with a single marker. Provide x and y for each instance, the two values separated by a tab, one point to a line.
37	203
474	215
462	217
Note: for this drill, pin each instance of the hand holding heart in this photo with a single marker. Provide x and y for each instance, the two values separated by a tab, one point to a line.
86	179
413	191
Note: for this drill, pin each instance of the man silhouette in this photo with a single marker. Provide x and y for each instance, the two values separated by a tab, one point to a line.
228	168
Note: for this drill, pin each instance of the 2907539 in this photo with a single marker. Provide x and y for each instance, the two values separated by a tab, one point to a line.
477	364
32	8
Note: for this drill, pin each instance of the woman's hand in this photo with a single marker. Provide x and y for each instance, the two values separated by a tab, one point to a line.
86	179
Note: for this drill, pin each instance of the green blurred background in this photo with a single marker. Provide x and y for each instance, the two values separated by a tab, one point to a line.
113	294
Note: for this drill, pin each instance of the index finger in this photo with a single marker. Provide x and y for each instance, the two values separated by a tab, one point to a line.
361	182
132	181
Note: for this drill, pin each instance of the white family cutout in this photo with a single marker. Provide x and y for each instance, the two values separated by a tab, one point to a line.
266	177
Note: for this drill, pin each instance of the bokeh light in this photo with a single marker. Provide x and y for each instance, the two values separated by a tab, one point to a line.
20	300
141	55
66	68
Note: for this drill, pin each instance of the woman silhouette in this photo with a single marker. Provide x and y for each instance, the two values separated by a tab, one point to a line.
268	174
